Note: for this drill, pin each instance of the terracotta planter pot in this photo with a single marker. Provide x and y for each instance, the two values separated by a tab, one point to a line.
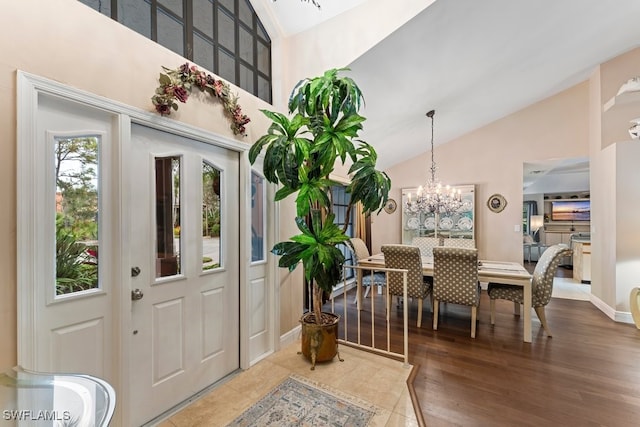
320	341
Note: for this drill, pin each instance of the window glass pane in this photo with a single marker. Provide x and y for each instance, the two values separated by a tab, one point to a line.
203	16
246	78
213	22
211	233
226	31
246	45
168	223
101	6
136	15
229	4
174	6
226	66
246	12
170	33
202	52
341	199
264	89
76	216
262	33
264	58
258	198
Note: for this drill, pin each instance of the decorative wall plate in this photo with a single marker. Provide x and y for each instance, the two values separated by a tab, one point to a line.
413	223
465	223
446	223
430	223
391	206
497	203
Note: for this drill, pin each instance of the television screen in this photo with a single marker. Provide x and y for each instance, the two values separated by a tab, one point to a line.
569	210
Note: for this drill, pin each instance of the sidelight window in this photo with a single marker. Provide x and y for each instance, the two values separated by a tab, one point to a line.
168	222
76	213
211	212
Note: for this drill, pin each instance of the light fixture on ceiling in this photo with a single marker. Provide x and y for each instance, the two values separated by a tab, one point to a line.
434	197
313	2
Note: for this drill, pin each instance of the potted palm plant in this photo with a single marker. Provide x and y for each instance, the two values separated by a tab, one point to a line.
300	154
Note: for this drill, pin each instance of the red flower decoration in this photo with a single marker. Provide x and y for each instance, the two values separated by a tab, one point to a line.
175	85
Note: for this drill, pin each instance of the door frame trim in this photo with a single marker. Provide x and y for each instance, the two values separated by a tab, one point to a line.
29	86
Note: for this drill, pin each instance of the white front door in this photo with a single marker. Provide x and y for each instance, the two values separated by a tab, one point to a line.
67	217
185	268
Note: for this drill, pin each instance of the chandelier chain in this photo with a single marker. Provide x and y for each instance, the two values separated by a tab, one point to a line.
433	198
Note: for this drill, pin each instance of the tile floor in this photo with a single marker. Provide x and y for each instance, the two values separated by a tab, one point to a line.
376	379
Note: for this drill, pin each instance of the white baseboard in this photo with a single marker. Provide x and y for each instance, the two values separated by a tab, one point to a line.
290	337
617	316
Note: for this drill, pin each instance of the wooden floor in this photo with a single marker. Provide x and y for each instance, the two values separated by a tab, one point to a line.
588	374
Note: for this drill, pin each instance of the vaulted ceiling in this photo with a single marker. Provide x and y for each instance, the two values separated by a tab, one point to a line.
472	61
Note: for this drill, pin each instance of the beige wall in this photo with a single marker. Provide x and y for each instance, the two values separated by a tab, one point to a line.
63	40
492	158
615	190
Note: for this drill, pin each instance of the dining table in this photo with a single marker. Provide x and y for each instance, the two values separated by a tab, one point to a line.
510	273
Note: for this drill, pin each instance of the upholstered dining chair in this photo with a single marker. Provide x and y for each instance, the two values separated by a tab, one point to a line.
425	244
407	258
541	285
455	280
360	251
460	243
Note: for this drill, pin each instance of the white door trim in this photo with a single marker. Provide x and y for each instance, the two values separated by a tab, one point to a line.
29	86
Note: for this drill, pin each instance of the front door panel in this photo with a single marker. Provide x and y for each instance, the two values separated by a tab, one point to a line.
185	233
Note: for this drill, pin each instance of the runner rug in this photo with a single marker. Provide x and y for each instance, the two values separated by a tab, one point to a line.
298	401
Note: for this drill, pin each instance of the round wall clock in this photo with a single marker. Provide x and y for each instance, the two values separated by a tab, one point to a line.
497	203
390	206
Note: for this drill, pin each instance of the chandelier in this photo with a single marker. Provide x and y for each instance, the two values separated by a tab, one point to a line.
433	197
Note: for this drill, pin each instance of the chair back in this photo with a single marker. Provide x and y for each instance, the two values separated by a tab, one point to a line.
359	248
408	258
455	275
460	243
542	281
425	244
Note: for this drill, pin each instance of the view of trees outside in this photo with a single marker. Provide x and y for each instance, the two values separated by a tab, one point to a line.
210	216
168	220
76	174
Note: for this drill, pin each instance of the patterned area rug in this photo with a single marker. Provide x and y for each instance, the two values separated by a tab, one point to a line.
298	401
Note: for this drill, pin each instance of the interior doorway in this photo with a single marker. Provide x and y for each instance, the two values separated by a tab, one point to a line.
544	183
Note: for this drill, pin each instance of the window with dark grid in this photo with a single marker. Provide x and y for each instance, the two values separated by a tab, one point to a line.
222	36
341	200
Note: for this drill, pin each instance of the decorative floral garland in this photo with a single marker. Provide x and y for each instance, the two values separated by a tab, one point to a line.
177	84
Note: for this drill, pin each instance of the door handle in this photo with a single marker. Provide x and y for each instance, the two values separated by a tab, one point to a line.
136	294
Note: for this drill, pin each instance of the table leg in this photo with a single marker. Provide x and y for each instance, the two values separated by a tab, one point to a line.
527	311
358	287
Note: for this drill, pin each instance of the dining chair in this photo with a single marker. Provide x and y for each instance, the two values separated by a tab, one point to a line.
408	258
455	280
460	243
425	244
541	285
360	251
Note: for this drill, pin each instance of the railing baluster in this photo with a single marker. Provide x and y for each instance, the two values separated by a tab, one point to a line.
387	302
